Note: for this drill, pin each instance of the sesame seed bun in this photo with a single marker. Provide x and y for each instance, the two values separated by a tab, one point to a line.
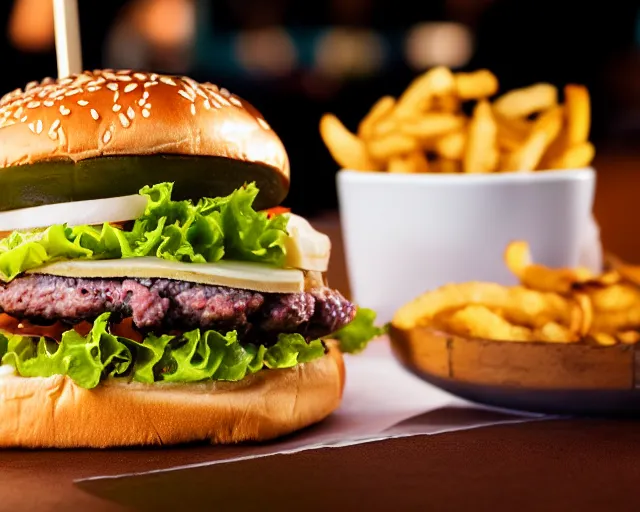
53	412
106	113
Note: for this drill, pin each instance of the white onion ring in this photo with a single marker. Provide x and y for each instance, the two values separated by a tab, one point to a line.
95	211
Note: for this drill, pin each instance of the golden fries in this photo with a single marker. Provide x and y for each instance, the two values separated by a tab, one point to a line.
522	130
555	305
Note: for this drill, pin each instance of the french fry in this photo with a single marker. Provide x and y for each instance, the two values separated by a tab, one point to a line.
445	166
346	148
448	104
481	152
523	102
392	145
410	163
574	157
430	126
382	108
451	146
476	85
512	133
544	131
438	81
578	114
479	321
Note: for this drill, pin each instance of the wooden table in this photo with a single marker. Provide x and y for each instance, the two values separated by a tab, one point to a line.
565	465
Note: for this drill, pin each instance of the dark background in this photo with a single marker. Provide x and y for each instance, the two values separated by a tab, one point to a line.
296	60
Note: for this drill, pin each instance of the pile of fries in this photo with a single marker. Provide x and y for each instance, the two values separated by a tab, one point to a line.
426	129
561	305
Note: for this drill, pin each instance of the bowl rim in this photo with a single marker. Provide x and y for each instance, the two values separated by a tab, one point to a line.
554	175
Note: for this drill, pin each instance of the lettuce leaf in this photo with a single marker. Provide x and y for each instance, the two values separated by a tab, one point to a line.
354	337
191	357
211	230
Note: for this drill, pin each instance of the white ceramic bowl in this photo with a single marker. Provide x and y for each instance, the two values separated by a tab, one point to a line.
405	234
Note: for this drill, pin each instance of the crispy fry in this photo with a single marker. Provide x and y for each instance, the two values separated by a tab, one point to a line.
448	104
476	85
512	133
544	131
523	102
391	145
574	157
451	146
538	277
578	114
445	166
628	337
414	162
480	322
555	333
379	111
481	152
430	126
629	272
345	148
418	96
604	339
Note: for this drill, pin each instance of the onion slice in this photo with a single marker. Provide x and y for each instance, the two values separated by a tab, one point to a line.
94	211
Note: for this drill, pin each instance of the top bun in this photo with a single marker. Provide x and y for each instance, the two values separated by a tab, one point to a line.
123	113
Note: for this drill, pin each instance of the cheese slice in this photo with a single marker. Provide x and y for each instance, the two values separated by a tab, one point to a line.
234	274
306	247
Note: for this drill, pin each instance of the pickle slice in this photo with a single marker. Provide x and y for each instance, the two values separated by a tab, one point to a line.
59	181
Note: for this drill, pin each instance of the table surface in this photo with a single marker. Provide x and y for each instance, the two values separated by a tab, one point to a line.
579	464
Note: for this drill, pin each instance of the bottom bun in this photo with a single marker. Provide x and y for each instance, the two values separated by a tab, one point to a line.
54	412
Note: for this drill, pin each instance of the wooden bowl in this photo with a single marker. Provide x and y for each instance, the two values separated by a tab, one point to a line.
556	378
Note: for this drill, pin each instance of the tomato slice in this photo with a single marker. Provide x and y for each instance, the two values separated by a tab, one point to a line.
276	210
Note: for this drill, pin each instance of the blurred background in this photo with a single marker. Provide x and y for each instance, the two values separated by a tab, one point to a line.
296	60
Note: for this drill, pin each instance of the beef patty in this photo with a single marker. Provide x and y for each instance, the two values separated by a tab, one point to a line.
164	304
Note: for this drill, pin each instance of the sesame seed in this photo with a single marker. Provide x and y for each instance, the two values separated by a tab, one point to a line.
33	104
123	72
225	92
184	95
124	121
145	94
116	108
39	127
48	103
116	95
53	135
63	136
130	87
31	85
112	86
130	113
167	80
32	127
94	114
17	114
66	81
235	101
42	94
263	123
55	125
72	92
109	76
148	105
207	105
100	80
140	76
23	119
83	103
141	102
154	76
124	78
193	109
64	110
93	89
200	92
145	113
216	104
150	84
106	136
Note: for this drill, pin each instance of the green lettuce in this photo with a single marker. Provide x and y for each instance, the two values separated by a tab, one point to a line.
190	357
354	337
208	231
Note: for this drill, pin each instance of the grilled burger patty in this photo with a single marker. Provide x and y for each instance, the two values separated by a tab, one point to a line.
164	304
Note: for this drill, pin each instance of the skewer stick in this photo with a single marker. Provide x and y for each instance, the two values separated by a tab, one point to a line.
67	27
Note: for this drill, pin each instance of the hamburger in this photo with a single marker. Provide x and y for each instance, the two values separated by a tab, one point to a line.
152	290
